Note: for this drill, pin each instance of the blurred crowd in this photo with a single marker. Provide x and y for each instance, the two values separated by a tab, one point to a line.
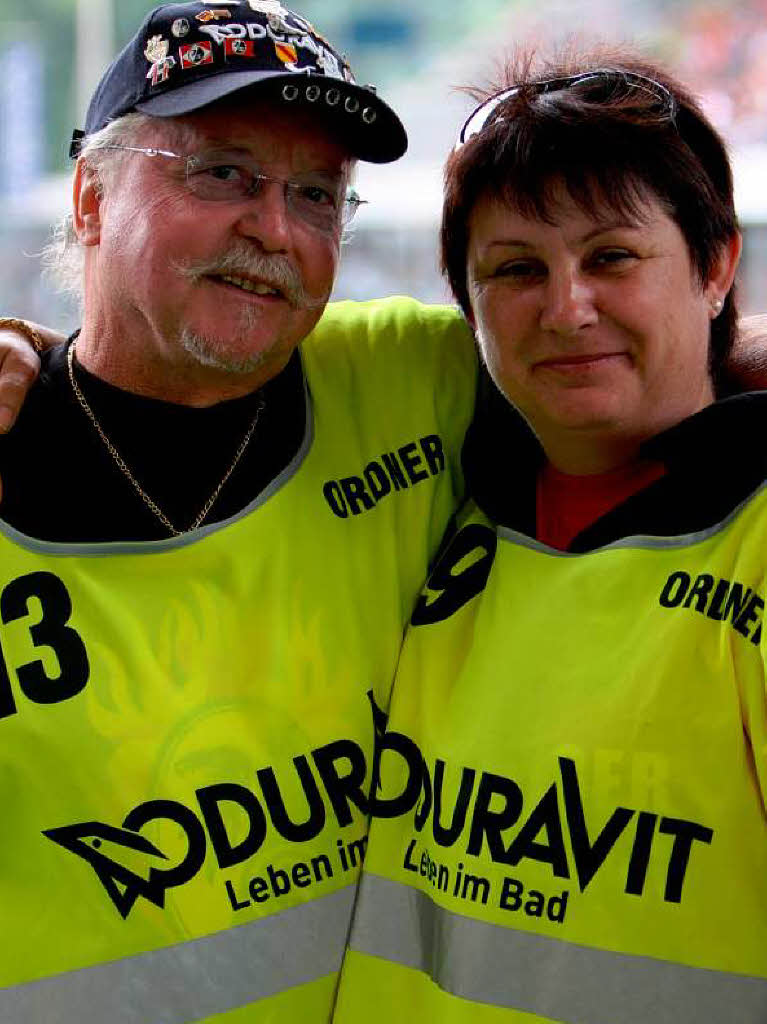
719	48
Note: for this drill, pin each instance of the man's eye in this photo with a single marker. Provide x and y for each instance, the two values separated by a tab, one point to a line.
219	180
316	195
229	173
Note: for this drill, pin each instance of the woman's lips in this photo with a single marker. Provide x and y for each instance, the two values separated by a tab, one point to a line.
580	363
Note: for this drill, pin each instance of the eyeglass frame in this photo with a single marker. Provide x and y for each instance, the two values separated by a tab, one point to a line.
658	90
348	206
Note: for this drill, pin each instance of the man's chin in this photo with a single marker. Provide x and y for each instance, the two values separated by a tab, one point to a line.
217	354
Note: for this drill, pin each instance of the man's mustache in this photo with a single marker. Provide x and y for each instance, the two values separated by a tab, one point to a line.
241	260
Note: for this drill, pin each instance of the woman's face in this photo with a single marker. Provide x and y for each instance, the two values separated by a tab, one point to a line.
595	327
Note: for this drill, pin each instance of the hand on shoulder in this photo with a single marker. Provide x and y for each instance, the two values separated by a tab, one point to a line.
20	343
747	366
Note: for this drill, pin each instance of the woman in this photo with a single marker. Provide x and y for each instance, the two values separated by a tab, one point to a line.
572	789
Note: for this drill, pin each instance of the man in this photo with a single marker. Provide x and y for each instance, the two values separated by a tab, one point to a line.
206	577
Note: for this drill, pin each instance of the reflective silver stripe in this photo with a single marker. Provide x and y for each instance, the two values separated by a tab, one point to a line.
195	979
575	984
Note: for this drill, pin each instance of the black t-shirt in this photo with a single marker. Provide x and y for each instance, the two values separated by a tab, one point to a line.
60	483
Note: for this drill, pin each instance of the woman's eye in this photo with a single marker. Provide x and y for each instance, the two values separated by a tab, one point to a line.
520	270
613	257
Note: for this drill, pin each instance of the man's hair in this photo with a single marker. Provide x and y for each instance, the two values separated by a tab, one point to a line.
606	145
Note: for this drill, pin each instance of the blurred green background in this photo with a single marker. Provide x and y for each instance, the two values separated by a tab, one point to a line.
53	52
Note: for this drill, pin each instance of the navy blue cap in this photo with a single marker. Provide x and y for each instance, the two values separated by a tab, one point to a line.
188	55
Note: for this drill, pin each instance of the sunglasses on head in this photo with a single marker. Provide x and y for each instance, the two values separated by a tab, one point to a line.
602	83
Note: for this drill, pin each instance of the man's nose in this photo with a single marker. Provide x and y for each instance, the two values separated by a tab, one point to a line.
266	217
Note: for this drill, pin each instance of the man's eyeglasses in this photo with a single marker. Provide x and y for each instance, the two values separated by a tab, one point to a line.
602	84
225	176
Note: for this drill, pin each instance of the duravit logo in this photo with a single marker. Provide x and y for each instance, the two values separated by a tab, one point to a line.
235	823
109	849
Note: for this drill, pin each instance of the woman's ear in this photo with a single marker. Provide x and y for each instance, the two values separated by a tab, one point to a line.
87	194
723	272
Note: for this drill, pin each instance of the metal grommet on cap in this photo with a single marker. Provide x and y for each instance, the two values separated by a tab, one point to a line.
186	56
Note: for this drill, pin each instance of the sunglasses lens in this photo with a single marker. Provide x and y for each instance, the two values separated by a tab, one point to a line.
600	85
620	86
480	118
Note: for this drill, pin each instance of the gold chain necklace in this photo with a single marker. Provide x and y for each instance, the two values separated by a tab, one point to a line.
126	471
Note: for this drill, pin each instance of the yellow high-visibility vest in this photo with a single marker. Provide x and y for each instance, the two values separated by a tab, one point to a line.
572	805
187	726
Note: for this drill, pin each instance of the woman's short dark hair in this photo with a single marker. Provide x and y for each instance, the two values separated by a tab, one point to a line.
626	130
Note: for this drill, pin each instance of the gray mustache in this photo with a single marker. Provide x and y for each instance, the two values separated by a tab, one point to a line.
242	261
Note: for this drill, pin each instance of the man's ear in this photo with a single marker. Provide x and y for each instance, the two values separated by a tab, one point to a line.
87	194
724	270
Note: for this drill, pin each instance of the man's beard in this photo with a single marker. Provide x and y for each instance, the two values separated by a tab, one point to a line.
243	260
216	353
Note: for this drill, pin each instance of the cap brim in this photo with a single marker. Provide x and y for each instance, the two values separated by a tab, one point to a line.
379	141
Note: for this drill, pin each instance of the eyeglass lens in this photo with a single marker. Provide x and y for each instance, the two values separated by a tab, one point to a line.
318	200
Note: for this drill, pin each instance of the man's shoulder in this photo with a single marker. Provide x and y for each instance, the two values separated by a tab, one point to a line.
396	327
390	309
393	357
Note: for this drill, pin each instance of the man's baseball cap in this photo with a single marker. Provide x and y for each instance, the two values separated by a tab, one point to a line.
188	55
